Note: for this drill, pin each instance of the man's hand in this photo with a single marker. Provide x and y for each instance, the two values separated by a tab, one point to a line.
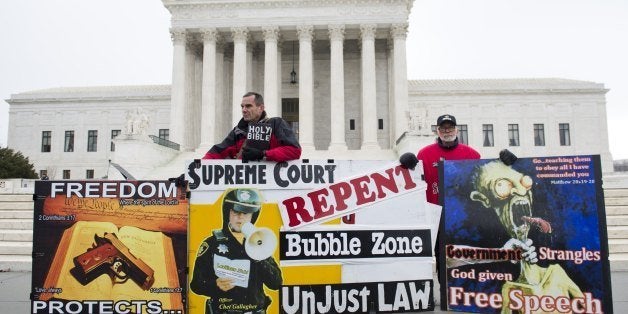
408	160
529	251
507	157
225	284
252	154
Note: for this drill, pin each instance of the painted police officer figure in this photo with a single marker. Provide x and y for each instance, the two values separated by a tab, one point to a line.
224	272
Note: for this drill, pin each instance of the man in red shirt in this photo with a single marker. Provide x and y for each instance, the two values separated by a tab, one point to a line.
283	142
446	147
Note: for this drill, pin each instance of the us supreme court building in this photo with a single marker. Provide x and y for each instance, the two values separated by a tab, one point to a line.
335	70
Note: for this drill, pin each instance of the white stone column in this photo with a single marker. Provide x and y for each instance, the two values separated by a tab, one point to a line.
306	87
194	77
178	96
251	52
222	108
208	90
399	121
279	76
369	105
240	37
337	88
271	99
391	87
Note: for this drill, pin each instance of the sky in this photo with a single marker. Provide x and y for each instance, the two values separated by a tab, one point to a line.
66	43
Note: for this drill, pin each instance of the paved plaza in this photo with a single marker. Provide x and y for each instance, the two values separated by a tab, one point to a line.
15	288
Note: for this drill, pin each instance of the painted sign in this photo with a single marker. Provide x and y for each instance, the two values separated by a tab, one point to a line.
109	247
526	238
361	238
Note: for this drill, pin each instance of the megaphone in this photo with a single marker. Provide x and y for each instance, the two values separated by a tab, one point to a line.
260	243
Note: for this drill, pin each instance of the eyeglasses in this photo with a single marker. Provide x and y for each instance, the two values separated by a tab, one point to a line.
449	129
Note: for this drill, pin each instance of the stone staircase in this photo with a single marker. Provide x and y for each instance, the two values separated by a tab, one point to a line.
616	203
16	228
16	232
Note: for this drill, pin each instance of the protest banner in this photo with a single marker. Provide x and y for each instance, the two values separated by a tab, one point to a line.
361	239
526	238
109	247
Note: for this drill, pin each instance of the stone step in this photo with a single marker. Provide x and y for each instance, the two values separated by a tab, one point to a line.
16	198
16	235
617	220
617	232
619	261
16	263
22	224
617	210
16	205
16	214
617	246
615	201
615	193
16	248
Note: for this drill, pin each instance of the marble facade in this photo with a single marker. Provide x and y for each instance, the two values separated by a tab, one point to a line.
351	98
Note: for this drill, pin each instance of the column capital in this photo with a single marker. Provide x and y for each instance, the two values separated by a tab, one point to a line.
336	32
305	32
271	33
178	35
399	31
240	34
209	35
367	31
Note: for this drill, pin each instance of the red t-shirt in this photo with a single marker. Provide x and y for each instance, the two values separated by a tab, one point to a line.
430	156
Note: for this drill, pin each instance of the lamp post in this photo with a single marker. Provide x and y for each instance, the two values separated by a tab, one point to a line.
293	74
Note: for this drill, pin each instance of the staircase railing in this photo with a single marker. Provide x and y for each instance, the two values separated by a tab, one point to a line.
164	142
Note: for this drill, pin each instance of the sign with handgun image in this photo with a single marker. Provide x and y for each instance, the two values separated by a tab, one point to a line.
109	246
